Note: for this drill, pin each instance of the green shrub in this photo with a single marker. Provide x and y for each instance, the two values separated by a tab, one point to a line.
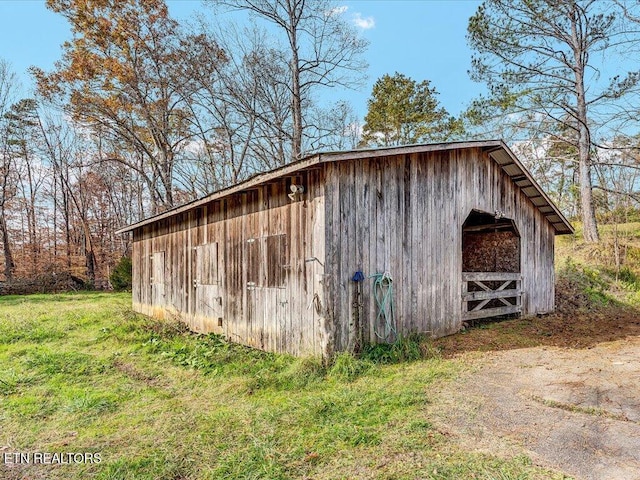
121	277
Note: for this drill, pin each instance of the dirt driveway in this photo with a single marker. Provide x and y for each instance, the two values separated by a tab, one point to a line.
563	390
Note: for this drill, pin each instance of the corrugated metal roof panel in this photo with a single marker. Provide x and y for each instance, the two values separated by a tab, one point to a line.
501	157
530	191
512	170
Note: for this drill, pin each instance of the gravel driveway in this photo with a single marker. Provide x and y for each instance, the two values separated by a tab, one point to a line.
575	410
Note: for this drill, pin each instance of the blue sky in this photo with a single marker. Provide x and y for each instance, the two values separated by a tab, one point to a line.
424	39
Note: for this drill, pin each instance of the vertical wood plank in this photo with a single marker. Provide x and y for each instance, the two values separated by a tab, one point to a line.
402	214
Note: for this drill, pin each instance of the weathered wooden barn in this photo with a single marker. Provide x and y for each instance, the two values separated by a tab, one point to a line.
462	231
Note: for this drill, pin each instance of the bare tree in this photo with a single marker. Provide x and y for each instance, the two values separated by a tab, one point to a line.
322	50
540	61
65	155
240	104
337	128
119	77
554	164
8	83
23	139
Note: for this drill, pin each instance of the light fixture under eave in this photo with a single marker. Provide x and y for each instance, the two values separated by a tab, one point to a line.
295	190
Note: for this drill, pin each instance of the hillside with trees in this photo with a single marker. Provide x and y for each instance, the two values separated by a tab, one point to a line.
142	113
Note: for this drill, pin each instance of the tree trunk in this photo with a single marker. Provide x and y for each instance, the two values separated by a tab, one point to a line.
590	226
167	179
296	106
90	256
67	228
587	206
588	211
31	217
296	95
9	265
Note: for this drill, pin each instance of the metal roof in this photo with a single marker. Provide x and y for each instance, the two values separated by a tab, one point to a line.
496	149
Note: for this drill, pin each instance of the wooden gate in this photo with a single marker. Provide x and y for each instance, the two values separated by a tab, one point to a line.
489	294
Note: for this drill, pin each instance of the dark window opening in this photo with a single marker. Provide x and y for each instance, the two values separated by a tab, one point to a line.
490	243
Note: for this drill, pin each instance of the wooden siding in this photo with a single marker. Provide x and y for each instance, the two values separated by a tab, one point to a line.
241	267
403	215
278	272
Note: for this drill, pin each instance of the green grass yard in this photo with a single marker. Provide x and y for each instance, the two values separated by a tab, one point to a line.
82	373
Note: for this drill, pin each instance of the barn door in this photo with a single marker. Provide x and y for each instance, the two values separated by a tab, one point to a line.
158	297
207	305
267	298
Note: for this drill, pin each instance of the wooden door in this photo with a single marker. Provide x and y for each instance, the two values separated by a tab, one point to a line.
267	304
207	308
158	297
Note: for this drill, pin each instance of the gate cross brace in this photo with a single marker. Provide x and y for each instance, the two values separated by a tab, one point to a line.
487	289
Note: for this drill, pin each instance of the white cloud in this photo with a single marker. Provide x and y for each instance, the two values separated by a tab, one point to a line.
362	22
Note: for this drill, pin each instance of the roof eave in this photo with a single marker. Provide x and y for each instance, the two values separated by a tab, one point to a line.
561	226
522	178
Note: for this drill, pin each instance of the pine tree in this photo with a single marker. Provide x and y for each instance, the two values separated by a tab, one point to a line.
402	111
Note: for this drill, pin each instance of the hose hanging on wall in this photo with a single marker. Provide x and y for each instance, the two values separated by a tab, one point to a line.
383	294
